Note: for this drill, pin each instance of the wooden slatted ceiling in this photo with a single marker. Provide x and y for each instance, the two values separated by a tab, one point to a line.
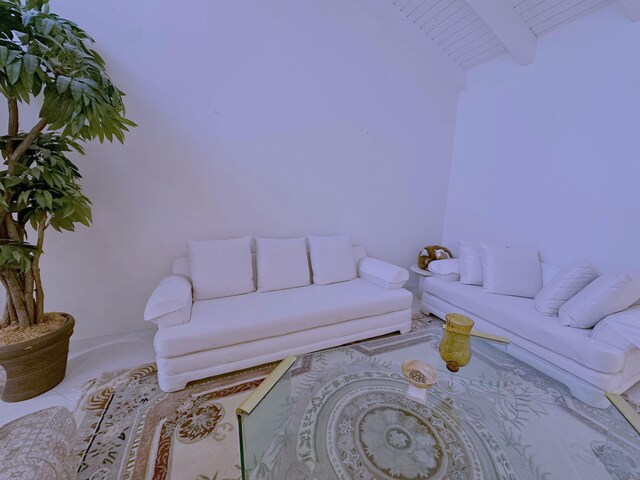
542	16
462	35
455	27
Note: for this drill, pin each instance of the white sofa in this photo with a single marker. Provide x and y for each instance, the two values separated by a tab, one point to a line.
199	339
586	365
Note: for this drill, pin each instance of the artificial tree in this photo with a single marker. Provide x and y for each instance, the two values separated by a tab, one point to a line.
49	59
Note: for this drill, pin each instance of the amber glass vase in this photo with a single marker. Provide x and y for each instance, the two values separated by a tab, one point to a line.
455	347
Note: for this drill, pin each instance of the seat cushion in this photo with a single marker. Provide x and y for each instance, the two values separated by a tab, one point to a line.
518	315
244	318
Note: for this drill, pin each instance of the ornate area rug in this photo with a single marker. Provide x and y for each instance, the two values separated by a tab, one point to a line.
130	429
348	419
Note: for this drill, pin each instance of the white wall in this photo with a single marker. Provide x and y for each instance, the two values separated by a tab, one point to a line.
277	118
548	155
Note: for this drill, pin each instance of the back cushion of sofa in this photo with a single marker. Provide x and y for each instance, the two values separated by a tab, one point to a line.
620	329
221	268
282	263
332	259
511	270
609	293
564	285
469	263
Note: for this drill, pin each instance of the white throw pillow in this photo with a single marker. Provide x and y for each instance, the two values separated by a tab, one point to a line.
607	294
621	329
469	263
510	270
564	285
281	263
220	268
444	267
447	277
332	259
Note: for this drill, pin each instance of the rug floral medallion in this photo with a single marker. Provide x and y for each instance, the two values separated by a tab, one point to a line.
348	418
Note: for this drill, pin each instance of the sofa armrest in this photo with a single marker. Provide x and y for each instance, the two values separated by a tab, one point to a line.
382	274
170	303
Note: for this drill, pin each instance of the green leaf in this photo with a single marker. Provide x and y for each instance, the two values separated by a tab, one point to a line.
11	56
48	199
76	90
31	63
62	83
22	36
23	197
4	54
13	71
46	26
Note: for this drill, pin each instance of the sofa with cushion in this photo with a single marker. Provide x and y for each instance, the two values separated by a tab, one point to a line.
225	308
575	325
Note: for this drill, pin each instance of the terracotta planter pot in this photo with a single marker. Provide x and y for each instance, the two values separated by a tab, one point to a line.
37	365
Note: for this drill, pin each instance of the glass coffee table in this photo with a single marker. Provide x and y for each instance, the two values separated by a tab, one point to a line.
343	414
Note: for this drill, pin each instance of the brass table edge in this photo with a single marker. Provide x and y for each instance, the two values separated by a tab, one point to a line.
625	409
487	336
267	384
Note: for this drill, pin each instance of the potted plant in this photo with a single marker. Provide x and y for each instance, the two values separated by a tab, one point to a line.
49	59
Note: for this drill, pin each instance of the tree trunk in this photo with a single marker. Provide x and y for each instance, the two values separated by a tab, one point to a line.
17	301
21	308
36	273
28	293
12	230
9	312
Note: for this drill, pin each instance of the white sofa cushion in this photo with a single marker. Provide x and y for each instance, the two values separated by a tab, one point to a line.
220	268
448	277
607	294
621	329
517	315
332	259
170	303
511	270
383	274
281	263
232	320
444	267
447	270
242	355
564	285
470	263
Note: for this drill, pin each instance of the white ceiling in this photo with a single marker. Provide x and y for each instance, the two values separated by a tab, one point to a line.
463	35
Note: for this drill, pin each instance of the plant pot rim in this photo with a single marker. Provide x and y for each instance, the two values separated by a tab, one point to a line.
14	348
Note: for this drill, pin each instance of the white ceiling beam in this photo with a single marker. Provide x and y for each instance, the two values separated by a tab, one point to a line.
392	19
508	26
632	9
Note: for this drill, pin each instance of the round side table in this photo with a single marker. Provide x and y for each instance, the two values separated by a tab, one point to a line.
422	274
